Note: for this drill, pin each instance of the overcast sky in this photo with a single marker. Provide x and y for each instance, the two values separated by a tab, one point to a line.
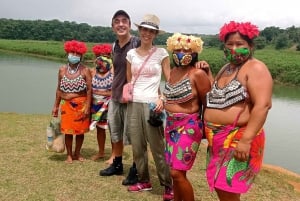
187	16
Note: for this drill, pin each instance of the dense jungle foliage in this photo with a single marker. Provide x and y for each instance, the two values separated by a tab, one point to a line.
55	30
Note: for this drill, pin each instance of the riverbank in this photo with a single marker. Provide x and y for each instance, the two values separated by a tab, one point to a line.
282	71
29	172
295	184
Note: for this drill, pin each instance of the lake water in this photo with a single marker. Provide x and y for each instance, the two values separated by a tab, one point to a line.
27	85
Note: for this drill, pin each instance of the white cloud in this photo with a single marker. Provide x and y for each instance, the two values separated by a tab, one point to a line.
188	16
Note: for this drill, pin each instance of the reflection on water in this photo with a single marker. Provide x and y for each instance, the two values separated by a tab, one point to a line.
286	92
27	85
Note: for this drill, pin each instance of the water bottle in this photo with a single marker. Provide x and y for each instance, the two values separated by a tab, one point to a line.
152	106
50	136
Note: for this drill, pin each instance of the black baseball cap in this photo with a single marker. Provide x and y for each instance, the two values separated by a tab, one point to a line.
121	12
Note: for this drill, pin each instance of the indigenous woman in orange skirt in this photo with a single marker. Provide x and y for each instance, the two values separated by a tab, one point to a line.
73	96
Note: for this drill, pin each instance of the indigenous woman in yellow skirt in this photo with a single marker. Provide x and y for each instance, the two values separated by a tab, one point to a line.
73	96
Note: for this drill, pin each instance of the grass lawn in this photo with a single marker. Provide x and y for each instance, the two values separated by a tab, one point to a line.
29	172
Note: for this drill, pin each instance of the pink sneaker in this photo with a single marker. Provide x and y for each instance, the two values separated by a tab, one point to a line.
140	187
168	194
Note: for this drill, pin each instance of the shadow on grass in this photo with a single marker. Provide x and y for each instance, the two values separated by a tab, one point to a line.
57	157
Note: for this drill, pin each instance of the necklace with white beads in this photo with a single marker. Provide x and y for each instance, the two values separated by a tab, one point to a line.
73	71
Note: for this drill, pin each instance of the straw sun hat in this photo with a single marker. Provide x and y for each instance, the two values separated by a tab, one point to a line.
150	21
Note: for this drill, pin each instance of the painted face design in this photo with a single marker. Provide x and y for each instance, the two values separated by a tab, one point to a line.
103	64
183	59
237	56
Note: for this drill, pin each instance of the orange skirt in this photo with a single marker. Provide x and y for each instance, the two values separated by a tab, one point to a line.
73	120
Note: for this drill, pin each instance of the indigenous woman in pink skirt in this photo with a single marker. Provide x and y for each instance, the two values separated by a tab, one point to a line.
185	100
237	108
73	96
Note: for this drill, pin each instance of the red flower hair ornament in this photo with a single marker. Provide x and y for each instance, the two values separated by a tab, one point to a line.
102	49
244	28
75	46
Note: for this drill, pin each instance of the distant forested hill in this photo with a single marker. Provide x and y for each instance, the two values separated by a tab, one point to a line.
61	31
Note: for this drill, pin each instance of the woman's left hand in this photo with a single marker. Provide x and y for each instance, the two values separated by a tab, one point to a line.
87	113
159	106
242	151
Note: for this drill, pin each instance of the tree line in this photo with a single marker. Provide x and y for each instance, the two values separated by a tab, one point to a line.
55	30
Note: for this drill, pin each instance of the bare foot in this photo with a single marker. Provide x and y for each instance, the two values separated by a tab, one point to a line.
97	156
79	158
69	160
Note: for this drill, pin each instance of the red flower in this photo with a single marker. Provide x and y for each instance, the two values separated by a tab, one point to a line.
102	49
244	28
257	152
75	46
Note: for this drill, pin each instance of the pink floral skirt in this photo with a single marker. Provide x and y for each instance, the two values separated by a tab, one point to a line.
183	135
223	171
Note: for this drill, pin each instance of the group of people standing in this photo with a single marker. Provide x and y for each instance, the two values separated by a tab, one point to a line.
230	109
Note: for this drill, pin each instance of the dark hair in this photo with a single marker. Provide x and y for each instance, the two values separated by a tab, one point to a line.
195	59
246	38
121	12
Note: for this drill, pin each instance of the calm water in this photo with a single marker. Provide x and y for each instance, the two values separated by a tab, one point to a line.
27	85
282	134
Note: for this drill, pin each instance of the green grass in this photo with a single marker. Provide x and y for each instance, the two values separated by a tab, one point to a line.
47	49
29	172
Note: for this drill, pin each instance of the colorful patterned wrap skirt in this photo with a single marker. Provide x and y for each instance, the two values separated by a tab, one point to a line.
99	110
183	134
223	171
73	120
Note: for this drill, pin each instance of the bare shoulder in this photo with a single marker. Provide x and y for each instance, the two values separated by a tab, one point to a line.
256	72
92	71
62	69
84	68
199	76
197	72
255	64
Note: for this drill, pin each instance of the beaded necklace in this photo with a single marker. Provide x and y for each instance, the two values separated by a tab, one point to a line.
73	71
229	70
